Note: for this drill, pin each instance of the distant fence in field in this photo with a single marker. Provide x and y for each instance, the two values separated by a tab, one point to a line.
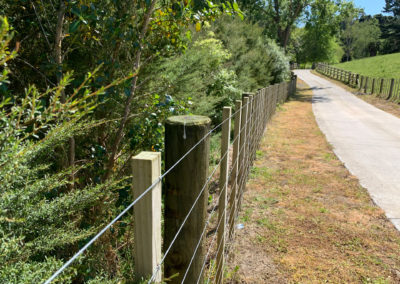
388	89
182	254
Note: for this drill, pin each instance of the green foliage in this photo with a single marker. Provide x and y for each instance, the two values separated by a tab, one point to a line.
365	36
384	66
320	32
198	76
218	66
59	124
392	6
256	60
41	222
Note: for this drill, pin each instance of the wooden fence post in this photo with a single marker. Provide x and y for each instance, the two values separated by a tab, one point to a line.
242	154
248	132
223	189
366	85
361	83
381	87
391	89
146	169
235	168
373	86
183	186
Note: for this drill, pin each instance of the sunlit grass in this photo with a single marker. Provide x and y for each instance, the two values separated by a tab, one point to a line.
383	66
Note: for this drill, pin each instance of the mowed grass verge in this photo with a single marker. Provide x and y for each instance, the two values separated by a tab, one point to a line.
382	66
306	218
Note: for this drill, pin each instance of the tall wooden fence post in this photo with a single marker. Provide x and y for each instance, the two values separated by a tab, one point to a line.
391	89
366	85
361	83
183	186
146	169
242	153
235	168
223	189
373	86
381	87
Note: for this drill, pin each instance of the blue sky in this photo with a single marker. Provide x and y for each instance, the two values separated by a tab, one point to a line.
371	7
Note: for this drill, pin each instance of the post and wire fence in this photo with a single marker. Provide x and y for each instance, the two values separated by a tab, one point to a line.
388	89
198	227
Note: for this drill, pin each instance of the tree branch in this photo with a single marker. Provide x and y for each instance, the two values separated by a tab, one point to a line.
127	110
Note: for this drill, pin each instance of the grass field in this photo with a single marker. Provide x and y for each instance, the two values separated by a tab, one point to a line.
383	66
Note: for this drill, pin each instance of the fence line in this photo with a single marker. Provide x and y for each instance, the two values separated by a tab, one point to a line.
250	117
388	89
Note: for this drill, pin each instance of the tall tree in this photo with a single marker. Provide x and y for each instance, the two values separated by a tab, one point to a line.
393	7
390	26
320	31
361	38
283	15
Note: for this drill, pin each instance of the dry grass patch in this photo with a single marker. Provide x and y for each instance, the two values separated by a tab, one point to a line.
306	218
390	107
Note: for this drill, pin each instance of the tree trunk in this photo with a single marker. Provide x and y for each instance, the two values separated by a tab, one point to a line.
127	109
70	159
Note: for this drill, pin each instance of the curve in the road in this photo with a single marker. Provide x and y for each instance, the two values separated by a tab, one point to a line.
366	140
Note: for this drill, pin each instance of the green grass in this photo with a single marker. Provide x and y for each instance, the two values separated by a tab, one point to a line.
383	66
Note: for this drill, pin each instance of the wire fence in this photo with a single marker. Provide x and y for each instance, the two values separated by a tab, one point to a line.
388	89
199	226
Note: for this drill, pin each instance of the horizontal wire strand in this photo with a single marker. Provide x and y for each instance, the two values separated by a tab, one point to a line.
157	181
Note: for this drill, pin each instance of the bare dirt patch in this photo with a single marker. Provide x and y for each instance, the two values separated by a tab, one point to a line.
306	218
390	107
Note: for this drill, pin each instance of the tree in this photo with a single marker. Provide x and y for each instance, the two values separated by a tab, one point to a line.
296	45
390	27
283	15
392	6
366	36
120	40
320	43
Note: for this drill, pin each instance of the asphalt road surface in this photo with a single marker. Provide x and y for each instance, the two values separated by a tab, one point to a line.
366	140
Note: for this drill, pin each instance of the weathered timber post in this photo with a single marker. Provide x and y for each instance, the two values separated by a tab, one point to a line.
146	169
349	79
366	85
391	89
381	87
361	83
183	186
248	132
235	168
223	189
242	154
373	86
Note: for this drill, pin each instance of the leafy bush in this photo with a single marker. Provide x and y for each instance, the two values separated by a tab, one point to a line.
41	221
256	60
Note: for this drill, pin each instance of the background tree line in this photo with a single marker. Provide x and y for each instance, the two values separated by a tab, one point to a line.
327	30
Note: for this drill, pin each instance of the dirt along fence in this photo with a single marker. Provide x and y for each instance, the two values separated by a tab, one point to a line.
388	89
197	231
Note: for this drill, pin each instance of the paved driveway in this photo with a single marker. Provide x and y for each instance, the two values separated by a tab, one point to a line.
366	140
